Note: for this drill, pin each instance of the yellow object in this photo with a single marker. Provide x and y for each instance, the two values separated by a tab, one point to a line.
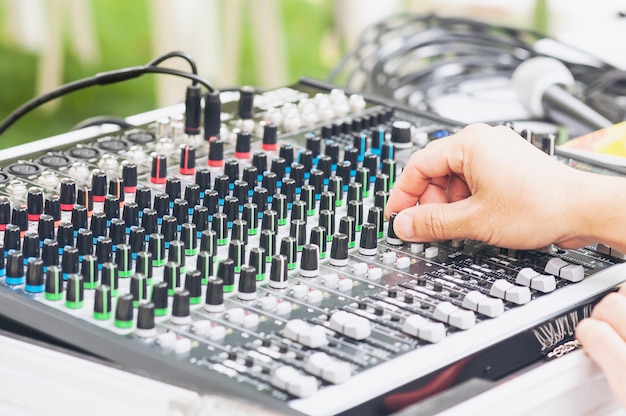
610	141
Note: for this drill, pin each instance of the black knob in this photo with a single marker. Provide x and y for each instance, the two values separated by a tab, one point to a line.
124	260
270	220
84	242
339	250
176	253
200	218
259	161
279	272
172	276
363	178
226	272
298	173
369	239
130	214
231	169
67	194
268	243
99	185
110	277
19	217
401	134
161	205
319	238
208	242
193	284
74	292
214	301
54	283
355	192
149	221
298	210
187	165
242	146
380	199
251	176
111	207
298	232
203	179
189	238
192	194
15	268
216	153
173	188
129	176
389	169
250	215
138	288
327	201
288	189
325	164
279	167
159	298
5	212
30	245
211	201
34	202
376	216
231	209
143	264
289	249
392	238
327	220
156	247
260	197
158	171
370	161
104	250
270	139
279	205
69	261
89	271
117	231
137	239
124	311
236	252
204	264
98	225
12	238
180	308
219	224
102	303
145	319
347	226
377	138
309	197
143	198
65	235
269	181
314	144
239	231
317	180
181	211
256	259
309	262
116	188
247	283
355	210
49	253
335	185
351	154
34	276
331	150
222	186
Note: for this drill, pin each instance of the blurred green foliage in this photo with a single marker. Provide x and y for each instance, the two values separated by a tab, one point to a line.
124	39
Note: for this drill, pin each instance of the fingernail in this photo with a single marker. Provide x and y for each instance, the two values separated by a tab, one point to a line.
403	226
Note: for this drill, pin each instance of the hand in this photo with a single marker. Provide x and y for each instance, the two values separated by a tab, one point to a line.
603	337
489	184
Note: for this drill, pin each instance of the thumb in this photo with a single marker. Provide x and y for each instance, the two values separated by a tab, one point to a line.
436	221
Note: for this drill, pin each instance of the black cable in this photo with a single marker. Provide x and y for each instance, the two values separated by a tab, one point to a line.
100	120
103	78
175	54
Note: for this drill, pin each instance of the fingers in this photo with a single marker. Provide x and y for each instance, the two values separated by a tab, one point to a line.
608	350
612	310
437	160
432	222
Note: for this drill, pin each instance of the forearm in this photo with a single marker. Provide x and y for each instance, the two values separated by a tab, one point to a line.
603	210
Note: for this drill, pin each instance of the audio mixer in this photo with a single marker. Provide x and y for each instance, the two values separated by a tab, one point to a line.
247	256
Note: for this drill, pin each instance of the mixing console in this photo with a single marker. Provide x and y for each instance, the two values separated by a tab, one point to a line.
257	264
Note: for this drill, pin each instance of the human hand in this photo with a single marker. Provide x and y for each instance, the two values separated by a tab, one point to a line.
489	184
603	337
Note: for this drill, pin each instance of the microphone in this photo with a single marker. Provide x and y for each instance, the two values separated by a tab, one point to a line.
544	87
